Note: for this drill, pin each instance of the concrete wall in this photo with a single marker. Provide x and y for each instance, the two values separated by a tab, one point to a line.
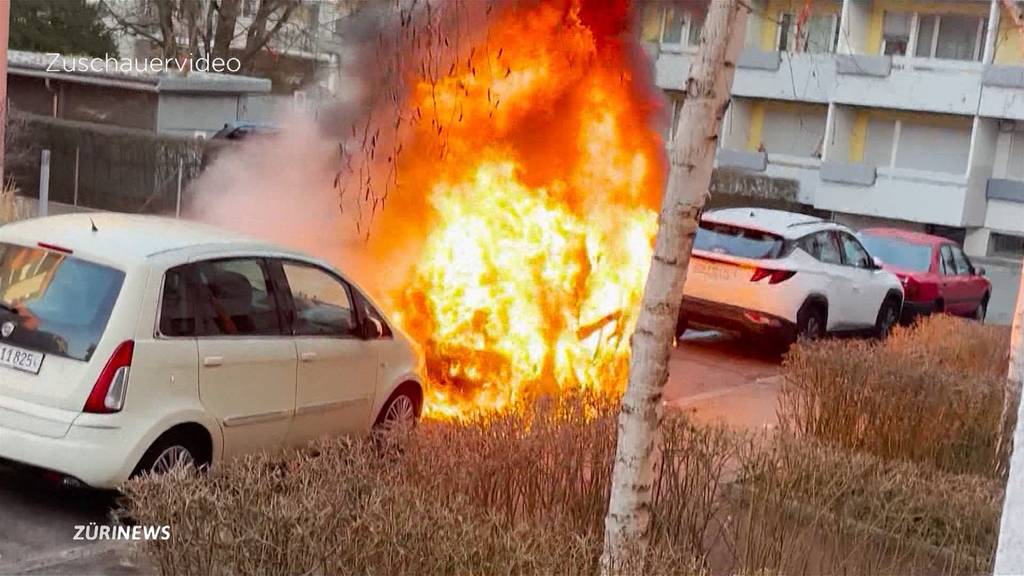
945	91
913	198
1004	216
984	143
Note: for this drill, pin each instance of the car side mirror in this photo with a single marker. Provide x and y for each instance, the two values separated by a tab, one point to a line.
877	262
372	329
979	271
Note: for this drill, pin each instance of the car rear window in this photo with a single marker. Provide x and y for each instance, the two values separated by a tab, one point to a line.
56	303
738	241
899	253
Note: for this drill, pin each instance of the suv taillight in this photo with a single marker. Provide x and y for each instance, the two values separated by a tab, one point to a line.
108	393
773	276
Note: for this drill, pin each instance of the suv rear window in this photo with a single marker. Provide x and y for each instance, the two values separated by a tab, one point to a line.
58	303
738	241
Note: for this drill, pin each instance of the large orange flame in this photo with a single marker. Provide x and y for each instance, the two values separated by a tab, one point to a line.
541	209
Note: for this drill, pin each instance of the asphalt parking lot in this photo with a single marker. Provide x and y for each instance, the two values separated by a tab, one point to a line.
1005	279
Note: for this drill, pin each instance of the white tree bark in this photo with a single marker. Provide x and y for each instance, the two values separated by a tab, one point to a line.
1010	552
691	160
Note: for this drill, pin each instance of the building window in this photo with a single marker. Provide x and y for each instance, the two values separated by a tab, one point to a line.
896	33
946	37
907	143
1006	245
671	25
819	35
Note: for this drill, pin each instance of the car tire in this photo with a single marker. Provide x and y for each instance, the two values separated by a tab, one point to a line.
982	310
401	409
888	317
810	322
169	451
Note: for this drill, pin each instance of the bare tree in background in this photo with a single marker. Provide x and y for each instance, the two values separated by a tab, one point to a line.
691	159
211	28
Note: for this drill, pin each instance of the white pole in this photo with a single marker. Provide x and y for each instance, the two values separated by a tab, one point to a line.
77	150
44	183
5	28
1010	551
177	204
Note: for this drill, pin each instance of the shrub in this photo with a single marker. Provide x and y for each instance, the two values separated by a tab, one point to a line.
523	492
526	493
932	393
911	516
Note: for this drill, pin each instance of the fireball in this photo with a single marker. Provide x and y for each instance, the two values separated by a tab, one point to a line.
541	169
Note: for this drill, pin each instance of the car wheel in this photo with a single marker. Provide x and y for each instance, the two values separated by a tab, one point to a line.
888	316
982	310
401	411
168	453
810	323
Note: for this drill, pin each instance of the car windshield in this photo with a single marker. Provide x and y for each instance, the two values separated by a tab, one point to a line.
53	302
737	241
899	253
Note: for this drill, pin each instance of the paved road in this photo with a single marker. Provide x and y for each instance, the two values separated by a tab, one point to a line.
1005	282
712	376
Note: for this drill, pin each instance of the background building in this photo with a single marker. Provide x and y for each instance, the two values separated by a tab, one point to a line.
874	110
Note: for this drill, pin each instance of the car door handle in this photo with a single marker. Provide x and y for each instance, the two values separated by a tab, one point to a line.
307	356
213	361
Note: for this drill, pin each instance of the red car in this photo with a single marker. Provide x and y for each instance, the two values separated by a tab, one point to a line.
936	274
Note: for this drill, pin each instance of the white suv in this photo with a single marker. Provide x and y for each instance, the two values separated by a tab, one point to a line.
759	271
130	343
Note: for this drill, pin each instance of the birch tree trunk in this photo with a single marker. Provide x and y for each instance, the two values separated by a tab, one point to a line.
1010	552
691	160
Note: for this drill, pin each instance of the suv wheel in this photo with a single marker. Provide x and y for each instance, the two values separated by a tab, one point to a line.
810	323
888	316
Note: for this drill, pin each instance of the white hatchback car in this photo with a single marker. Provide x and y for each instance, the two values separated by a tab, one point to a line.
129	343
768	272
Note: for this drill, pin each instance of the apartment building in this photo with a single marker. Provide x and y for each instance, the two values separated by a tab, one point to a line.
875	111
304	56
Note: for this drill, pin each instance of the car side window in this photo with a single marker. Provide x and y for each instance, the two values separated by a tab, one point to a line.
235	298
323	303
177	303
373	315
822	246
948	264
853	253
963	266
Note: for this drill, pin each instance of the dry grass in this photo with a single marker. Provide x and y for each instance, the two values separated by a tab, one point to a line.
932	393
526	493
886	516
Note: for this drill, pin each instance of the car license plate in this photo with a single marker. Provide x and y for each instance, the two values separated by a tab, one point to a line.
715	271
21	359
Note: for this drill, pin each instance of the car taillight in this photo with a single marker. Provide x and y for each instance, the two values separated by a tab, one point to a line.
773	276
108	393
